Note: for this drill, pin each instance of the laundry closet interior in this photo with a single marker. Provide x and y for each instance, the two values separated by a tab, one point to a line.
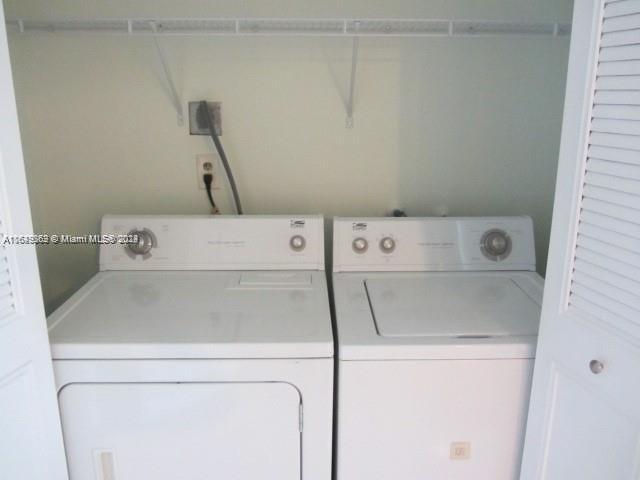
312	213
460	125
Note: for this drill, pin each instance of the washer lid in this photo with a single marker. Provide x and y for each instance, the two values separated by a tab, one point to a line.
437	315
195	314
452	306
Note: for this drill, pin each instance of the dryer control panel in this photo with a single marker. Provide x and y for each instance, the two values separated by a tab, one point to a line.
243	242
433	244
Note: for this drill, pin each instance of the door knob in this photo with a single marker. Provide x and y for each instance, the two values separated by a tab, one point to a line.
596	366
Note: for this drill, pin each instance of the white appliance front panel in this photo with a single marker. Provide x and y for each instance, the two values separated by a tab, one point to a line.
430	244
242	242
196	314
312	377
432	419
449	306
195	431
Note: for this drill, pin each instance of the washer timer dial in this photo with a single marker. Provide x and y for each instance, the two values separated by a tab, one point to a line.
495	244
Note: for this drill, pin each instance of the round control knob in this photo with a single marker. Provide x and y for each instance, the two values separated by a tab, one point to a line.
297	243
144	242
495	245
387	244
360	245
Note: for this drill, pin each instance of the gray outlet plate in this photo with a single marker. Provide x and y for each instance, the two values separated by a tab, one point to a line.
215	109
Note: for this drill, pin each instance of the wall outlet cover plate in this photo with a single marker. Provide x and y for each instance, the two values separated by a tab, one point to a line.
215	110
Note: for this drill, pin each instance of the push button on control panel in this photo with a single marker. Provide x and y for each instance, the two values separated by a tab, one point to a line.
387	245
360	245
297	243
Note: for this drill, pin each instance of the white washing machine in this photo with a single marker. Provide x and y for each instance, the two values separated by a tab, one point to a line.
202	351
437	322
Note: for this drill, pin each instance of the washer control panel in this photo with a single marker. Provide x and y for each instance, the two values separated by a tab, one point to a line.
433	244
213	242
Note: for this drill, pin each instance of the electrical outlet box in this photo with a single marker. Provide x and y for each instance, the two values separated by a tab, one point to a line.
200	128
207	163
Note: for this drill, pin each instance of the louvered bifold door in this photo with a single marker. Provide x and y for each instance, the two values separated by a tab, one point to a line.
31	446
584	416
606	276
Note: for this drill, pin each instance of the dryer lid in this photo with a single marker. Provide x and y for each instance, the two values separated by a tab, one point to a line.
452	306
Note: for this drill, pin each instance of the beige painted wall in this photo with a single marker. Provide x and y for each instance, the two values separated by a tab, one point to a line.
469	124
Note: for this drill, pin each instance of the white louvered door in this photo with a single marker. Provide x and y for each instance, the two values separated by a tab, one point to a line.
584	419
30	436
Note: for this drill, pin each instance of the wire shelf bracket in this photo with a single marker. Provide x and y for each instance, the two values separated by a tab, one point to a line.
175	97
352	81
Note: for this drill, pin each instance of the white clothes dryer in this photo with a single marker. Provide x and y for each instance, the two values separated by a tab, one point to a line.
201	350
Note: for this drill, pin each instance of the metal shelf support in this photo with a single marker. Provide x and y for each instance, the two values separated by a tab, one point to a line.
175	98
352	82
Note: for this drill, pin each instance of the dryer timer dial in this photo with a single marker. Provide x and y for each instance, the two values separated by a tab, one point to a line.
297	243
145	241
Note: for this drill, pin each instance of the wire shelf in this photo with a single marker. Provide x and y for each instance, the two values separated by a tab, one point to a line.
288	27
179	26
378	27
503	28
397	27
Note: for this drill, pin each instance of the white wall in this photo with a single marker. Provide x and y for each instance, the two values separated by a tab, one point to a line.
470	124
